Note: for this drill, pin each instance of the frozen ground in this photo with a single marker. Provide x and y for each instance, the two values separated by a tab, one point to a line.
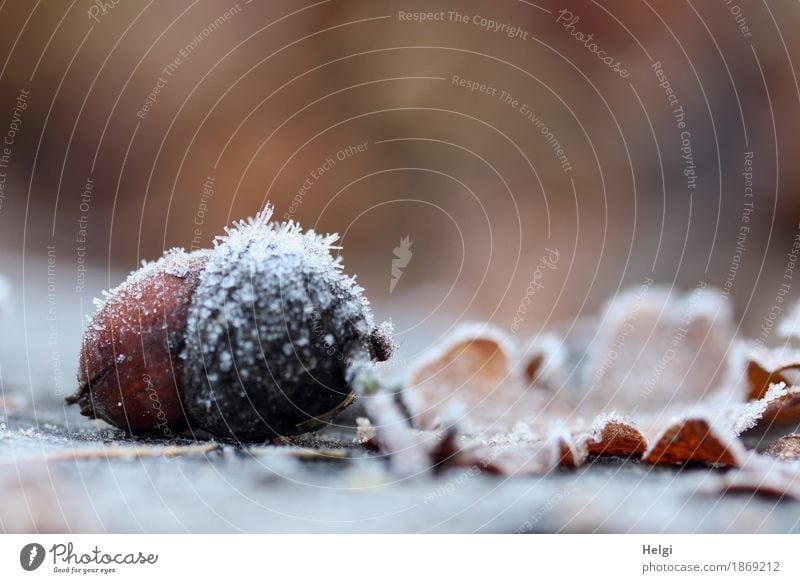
60	472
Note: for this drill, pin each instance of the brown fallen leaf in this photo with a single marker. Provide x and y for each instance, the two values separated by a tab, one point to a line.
762	475
408	450
787	448
698	440
655	352
663	379
472	377
544	362
366	433
611	436
510	454
772	366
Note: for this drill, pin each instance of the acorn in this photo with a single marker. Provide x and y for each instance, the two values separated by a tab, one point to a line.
261	336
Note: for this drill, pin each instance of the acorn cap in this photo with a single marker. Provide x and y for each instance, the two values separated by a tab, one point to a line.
275	334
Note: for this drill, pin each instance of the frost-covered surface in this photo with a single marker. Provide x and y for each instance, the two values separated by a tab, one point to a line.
228	490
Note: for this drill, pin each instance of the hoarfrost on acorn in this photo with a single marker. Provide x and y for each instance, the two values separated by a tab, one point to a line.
261	336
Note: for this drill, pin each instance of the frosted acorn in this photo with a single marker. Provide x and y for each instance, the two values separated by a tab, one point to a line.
261	336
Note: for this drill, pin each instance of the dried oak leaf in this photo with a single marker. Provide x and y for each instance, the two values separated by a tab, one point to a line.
613	436
787	448
558	448
366	433
409	450
762	475
772	366
471	376
655	352
661	380
695	440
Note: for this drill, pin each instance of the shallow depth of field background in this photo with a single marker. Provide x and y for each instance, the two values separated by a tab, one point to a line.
253	98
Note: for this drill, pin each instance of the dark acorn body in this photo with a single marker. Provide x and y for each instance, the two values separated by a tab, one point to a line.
274	331
268	360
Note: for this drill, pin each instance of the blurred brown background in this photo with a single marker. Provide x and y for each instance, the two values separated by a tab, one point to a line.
253	98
